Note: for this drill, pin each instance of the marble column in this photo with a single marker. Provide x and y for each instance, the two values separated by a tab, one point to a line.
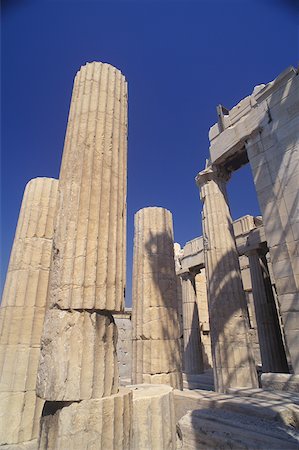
204	322
78	355
156	332
22	313
192	357
270	339
233	361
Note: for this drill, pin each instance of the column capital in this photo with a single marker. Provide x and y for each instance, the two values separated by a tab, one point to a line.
212	173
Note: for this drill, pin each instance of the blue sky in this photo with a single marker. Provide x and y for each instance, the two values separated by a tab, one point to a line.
181	59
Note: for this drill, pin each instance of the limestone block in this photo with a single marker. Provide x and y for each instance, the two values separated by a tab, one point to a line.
157	356
30	445
158	323
78	356
153	417
98	424
21	325
124	346
172	379
18	367
217	430
19	416
280	382
90	240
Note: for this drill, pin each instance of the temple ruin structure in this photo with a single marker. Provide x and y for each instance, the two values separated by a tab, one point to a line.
208	356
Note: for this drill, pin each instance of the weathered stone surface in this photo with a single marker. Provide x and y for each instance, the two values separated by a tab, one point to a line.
124	347
153	417
270	339
30	445
156	328
222	430
172	378
192	356
266	131
231	347
203	313
279	410
156	356
280	382
20	414
78	356
22	312
88	270
98	424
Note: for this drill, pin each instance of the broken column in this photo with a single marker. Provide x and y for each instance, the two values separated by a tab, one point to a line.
78	356
233	361
22	313
270	339
193	362
156	331
154	423
203	313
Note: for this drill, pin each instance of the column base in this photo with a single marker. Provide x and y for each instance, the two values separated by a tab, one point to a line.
100	424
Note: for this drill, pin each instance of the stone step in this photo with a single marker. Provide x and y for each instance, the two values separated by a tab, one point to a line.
272	410
213	429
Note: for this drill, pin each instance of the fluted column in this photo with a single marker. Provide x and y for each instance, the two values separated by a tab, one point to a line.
231	349
193	362
156	331
203	313
78	356
22	312
154	424
270	339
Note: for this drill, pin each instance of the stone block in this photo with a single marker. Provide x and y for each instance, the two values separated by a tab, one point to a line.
217	430
78	356
158	323
173	379
20	413
98	424
154	426
280	382
158	356
21	325
18	367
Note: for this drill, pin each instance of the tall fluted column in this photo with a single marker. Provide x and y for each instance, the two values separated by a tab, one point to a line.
156	331
270	339
231	349
193	362
78	357
22	313
203	313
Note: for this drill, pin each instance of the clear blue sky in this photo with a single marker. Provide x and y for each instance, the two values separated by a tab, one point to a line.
181	59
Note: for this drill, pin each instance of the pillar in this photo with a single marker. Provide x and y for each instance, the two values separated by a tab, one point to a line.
273	154
22	313
78	355
270	339
193	362
203	313
155	323
154	423
231	349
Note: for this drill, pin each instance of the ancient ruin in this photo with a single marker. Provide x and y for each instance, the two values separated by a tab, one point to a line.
208	356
